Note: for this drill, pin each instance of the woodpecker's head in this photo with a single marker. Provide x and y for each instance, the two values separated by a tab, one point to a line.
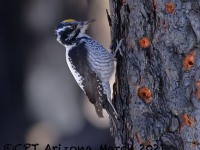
68	30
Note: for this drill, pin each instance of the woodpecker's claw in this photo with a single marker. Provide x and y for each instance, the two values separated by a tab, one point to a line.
118	48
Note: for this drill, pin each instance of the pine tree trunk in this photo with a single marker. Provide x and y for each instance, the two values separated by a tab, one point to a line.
157	88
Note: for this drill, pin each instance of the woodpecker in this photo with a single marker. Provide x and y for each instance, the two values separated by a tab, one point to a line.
89	62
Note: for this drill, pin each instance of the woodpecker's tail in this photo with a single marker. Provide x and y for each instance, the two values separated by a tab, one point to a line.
111	111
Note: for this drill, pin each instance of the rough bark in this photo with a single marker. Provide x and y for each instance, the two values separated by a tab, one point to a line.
157	88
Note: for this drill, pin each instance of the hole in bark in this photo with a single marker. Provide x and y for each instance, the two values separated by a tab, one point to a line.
194	144
145	94
144	42
170	7
188	61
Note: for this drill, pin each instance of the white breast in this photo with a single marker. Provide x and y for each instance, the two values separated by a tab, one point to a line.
77	76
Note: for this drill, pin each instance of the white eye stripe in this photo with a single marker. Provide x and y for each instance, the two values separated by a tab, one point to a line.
71	27
68	26
61	29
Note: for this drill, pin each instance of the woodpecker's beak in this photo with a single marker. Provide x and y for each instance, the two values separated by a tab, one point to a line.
88	22
84	24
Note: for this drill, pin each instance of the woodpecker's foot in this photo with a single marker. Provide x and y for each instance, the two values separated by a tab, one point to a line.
118	48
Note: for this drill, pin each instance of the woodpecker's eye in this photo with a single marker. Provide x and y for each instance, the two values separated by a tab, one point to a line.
73	27
68	30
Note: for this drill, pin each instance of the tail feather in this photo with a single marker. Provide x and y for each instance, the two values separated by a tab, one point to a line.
111	111
99	110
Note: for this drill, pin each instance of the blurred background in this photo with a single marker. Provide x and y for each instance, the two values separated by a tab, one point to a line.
40	101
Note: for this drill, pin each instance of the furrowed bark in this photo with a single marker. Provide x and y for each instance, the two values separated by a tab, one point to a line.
157	88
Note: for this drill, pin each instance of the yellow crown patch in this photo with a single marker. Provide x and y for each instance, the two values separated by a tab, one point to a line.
69	20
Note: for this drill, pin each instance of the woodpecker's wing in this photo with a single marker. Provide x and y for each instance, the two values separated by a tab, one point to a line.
101	61
90	83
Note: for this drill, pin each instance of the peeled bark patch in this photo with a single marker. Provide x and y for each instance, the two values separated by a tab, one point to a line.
139	138
188	120
197	93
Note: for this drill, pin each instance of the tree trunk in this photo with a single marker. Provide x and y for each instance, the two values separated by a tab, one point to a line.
157	88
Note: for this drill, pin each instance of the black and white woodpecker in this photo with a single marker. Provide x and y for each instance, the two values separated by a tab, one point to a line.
89	62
